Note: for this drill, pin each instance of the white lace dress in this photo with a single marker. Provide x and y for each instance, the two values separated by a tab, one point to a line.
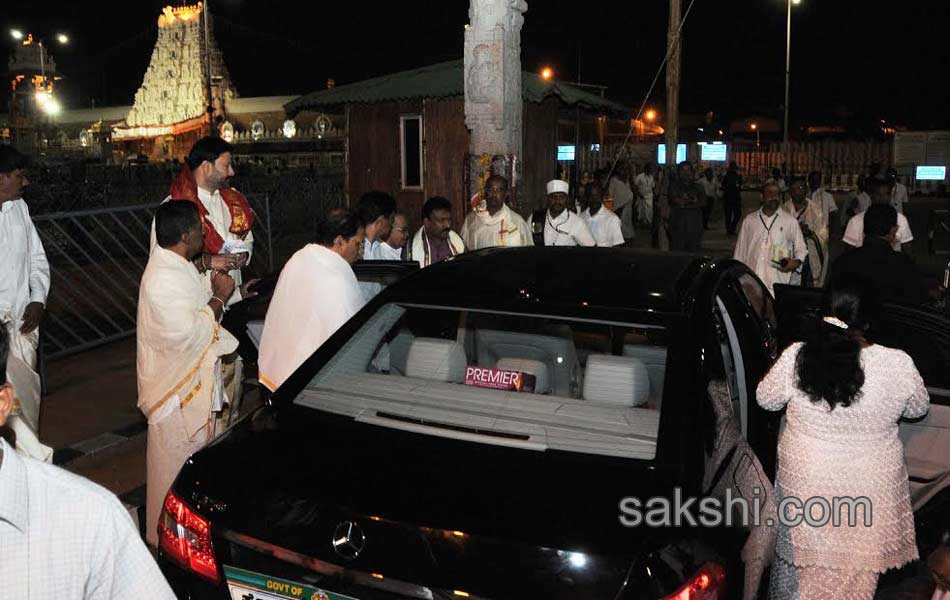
850	452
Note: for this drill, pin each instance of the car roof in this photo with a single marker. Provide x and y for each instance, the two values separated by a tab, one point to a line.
611	278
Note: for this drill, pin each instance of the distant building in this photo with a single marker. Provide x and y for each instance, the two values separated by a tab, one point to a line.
406	135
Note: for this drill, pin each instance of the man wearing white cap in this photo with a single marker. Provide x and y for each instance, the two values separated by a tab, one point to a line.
560	227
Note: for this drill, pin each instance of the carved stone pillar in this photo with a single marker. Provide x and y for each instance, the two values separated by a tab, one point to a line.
493	101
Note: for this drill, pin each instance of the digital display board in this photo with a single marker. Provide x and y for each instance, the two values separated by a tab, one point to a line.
932	173
713	152
661	153
565	152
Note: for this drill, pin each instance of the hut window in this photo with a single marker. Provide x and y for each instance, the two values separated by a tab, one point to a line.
410	142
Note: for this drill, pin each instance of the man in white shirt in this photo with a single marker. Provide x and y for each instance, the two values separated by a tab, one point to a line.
375	211
645	183
820	197
316	293
62	536
604	225
811	219
770	241
179	346
558	226
391	249
495	224
24	285
880	194
898	191
710	186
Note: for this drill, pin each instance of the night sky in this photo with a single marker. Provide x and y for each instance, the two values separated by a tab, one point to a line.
849	59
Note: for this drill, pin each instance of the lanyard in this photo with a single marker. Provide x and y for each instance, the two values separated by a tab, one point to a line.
768	228
558	230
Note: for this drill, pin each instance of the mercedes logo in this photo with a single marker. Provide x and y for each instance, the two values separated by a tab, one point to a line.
348	540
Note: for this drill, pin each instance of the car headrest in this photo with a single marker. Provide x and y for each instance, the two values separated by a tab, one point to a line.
542	383
437	360
622	380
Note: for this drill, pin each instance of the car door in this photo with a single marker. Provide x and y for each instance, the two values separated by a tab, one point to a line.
746	323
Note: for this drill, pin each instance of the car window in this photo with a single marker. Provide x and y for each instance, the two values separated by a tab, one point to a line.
752	290
513	379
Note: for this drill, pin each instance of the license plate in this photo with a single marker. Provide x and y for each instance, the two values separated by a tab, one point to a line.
247	585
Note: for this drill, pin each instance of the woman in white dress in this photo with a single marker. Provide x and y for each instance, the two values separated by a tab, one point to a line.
845	397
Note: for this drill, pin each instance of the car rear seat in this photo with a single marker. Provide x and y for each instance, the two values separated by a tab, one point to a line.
654	357
557	353
542	383
436	360
618	380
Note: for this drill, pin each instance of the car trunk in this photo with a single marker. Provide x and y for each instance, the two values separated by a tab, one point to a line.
440	513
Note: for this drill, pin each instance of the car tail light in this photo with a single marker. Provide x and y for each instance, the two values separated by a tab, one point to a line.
708	583
185	536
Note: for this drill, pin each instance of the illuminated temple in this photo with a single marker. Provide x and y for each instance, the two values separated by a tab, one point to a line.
170	107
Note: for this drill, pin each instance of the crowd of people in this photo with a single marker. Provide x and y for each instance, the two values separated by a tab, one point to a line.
190	371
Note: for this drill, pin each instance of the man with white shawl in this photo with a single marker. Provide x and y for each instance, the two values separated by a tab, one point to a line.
316	293
179	347
435	241
493	223
24	285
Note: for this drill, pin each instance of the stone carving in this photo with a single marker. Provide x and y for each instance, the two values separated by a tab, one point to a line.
493	103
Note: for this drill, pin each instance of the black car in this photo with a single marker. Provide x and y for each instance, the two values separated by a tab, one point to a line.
472	432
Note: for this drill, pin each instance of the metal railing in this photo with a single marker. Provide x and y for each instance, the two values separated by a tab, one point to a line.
97	258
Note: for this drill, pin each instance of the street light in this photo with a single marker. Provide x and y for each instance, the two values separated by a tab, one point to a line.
62	38
547	73
755	128
650	115
788	69
16	34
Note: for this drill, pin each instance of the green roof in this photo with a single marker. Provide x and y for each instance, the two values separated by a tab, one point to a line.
442	80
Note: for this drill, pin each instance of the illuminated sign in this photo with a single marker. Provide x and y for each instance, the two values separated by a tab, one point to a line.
661	153
931	173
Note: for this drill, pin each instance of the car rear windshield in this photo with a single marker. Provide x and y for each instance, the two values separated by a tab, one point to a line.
536	382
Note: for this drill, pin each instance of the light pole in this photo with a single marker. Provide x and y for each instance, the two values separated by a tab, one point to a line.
207	32
788	71
755	128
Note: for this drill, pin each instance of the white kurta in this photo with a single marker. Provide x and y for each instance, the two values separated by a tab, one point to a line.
219	216
387	252
623	198
854	232
567	229
645	184
899	196
24	278
372	250
824	200
179	345
317	293
763	239
504	228
604	226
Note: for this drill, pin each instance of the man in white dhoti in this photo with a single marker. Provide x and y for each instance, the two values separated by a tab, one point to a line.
317	293
493	223
435	241
604	225
227	222
623	199
811	219
821	197
180	344
375	211
558	226
770	241
645	184
24	285
898	191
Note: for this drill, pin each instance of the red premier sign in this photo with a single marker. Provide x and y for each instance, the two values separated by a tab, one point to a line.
499	379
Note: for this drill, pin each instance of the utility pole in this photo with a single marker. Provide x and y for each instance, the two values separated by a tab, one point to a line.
673	82
211	130
788	72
